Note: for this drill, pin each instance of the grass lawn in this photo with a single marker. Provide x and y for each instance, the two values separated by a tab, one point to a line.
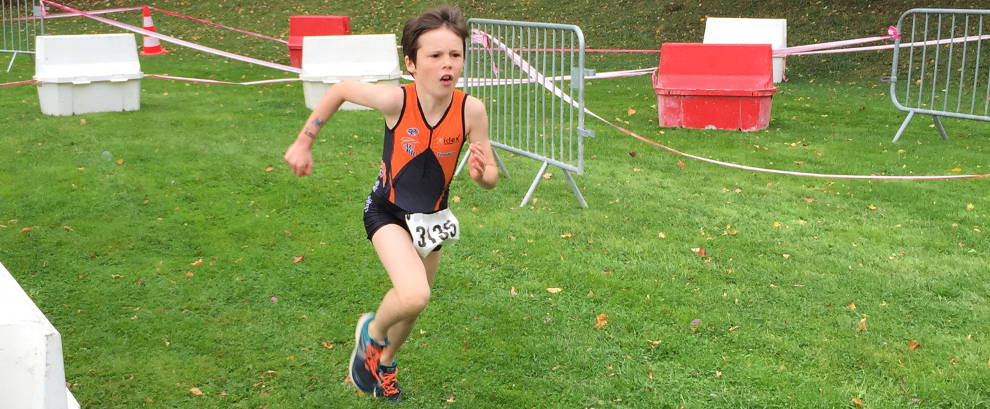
173	250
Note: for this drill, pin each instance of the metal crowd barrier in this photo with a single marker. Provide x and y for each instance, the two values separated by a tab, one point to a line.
531	78
941	65
20	22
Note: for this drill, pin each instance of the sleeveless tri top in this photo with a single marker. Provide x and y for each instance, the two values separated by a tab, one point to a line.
418	160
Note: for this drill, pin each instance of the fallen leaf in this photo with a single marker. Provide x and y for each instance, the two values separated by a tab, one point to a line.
197	262
120	161
681	164
862	325
718	374
872	207
554	290
602	320
852	306
913	345
82	121
547	176
451	398
786	256
777	225
654	344
733	328
457	199
116	276
858	403
512	291
799	162
630	111
662	235
189	274
807	199
957	170
269	169
953	361
633	154
649	374
195	391
970	206
566	235
298	259
591	293
327	345
700	252
26	230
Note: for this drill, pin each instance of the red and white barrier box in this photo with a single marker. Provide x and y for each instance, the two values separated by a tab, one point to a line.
33	375
714	86
327	60
305	26
78	74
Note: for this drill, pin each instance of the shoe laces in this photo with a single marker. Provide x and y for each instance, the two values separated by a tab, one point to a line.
389	386
371	357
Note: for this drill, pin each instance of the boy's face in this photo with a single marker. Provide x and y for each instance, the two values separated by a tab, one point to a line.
439	60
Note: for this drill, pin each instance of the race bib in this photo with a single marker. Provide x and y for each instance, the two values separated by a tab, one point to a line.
430	230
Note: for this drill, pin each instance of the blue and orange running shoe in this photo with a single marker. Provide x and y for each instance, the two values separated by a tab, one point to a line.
387	387
367	353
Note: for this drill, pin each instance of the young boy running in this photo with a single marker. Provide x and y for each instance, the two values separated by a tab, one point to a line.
406	215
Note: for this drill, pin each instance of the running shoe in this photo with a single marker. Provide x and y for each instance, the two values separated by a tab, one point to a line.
387	387
364	359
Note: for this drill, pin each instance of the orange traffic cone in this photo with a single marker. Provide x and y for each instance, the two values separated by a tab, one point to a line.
151	44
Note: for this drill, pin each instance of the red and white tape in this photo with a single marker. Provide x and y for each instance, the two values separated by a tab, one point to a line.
177	41
205	81
484	38
210	23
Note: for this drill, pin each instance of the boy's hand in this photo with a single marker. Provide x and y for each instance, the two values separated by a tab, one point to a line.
476	162
300	160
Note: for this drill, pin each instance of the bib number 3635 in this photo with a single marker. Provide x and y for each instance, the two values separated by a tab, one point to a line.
430	230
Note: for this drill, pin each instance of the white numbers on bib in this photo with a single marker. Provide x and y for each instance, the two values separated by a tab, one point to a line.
430	230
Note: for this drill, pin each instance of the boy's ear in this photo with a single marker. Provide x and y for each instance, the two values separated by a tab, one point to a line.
410	65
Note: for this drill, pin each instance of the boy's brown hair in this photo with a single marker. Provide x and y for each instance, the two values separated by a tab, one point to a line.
443	16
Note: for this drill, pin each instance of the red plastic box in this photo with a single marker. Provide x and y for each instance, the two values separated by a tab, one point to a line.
302	26
714	86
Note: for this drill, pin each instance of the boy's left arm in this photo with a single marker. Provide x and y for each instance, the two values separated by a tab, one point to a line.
481	163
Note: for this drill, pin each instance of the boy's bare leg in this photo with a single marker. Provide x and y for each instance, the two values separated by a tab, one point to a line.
398	332
411	278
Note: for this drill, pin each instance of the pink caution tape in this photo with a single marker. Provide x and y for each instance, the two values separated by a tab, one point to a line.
777	171
542	80
63	15
210	23
11	84
177	41
205	81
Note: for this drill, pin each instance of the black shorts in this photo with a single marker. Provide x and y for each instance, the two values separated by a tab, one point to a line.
379	212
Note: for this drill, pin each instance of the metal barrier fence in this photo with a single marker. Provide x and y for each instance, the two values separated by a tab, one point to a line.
20	22
531	78
941	65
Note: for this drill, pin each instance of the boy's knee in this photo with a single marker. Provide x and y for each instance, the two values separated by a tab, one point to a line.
415	301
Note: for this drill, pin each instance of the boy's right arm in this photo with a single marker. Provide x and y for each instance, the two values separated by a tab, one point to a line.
385	98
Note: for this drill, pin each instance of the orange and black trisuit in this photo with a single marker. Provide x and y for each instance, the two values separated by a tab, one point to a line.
419	160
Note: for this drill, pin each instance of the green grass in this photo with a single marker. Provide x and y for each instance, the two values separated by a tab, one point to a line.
792	265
